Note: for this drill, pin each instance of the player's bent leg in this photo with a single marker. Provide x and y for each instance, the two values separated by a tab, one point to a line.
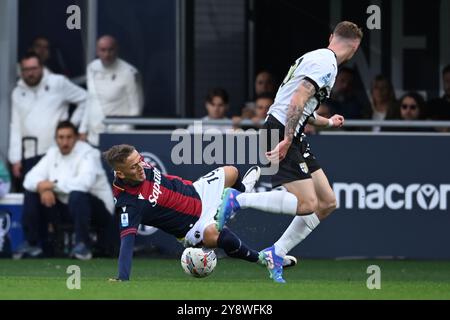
234	180
229	242
303	224
325	194
210	236
231	175
306	195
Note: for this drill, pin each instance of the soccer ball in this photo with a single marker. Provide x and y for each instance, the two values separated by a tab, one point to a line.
198	262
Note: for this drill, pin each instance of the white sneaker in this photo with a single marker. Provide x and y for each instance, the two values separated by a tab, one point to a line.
289	261
251	177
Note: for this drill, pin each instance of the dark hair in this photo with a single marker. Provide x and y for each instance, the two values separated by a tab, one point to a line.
118	154
265	95
217	92
418	99
40	37
446	69
29	55
269	73
264	71
348	30
383	78
66	124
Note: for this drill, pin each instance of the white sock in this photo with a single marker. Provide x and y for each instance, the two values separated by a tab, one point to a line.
299	229
273	201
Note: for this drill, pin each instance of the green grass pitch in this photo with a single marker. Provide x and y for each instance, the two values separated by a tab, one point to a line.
163	279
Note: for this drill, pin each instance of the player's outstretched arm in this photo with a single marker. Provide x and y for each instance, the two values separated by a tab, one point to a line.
126	256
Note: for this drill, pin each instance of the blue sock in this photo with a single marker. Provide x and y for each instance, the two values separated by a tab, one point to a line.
234	247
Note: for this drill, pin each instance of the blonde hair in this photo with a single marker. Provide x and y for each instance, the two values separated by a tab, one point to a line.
348	30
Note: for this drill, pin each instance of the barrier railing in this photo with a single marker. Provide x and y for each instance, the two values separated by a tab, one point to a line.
174	122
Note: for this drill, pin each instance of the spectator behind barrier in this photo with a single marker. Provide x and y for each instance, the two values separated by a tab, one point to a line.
216	104
114	89
262	104
440	107
411	107
264	83
383	101
257	111
51	57
248	112
343	96
67	185
39	101
41	47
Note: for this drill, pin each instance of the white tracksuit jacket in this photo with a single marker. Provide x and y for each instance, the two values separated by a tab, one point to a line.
81	170
112	91
36	112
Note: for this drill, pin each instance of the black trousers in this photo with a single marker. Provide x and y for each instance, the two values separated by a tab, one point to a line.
82	211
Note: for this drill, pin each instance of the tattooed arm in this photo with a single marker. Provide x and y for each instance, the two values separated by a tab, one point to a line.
301	95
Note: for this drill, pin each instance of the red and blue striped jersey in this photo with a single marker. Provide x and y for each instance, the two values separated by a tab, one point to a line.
163	201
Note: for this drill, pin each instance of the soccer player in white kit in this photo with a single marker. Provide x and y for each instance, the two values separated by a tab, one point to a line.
307	84
309	195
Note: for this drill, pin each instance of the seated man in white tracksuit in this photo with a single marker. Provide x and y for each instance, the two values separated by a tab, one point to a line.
68	183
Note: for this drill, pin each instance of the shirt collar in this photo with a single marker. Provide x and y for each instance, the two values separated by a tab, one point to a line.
333	52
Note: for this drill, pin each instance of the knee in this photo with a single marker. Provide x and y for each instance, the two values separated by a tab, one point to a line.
330	204
231	175
78	201
210	237
31	198
326	207
231	171
308	205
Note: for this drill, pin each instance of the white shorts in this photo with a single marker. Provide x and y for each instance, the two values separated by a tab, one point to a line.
210	188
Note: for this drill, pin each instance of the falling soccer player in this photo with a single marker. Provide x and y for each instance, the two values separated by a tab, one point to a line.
190	211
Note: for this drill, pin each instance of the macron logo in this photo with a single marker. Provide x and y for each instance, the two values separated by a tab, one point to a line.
393	196
153	198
